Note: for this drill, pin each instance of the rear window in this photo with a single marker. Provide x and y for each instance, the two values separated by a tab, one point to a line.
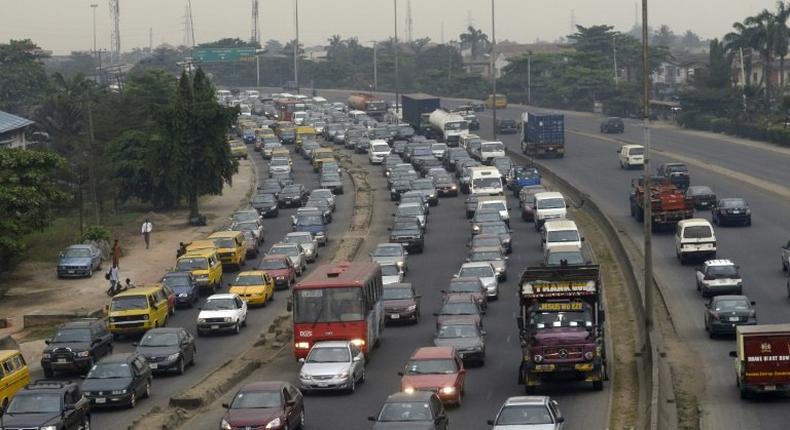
697	232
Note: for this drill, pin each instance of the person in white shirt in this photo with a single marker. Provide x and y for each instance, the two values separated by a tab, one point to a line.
146	231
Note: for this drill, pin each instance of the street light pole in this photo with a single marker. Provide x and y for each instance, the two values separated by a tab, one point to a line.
397	57
492	67
375	66
614	56
648	213
296	45
95	53
529	78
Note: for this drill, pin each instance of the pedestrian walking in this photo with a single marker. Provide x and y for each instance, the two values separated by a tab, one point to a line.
146	231
116	253
114	277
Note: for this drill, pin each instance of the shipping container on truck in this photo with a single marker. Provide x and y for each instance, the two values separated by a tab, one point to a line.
762	359
374	107
543	134
414	106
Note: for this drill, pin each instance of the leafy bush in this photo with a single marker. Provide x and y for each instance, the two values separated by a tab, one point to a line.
97	233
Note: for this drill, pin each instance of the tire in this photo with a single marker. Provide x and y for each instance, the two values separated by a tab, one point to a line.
301	420
180	367
147	392
236	329
460	399
244	323
353	387
362	377
86	423
132	400
192	360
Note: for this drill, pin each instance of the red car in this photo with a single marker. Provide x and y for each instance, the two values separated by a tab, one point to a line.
279	267
437	369
270	405
526	201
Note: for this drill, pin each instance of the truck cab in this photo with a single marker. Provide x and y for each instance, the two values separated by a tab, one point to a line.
677	173
762	364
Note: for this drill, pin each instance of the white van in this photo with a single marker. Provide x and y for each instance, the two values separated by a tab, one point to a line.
559	232
377	150
495	202
695	238
548	205
467	138
299	117
631	156
485	181
491	149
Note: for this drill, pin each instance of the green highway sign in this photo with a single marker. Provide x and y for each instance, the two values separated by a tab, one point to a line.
223	55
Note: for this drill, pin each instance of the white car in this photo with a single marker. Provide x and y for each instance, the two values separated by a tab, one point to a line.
716	277
391	274
548	205
332	365
528	413
483	271
307	241
377	150
295	253
222	312
631	156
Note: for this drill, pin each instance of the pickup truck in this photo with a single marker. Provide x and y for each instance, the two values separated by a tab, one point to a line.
677	173
762	362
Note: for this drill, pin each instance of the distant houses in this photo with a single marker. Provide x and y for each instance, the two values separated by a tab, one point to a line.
12	130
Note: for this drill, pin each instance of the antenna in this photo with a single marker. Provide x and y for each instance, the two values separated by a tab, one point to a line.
115	32
409	22
255	37
189	26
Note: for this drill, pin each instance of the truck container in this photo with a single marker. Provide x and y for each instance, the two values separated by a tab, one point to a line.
543	134
561	326
448	126
369	104
762	359
414	106
669	204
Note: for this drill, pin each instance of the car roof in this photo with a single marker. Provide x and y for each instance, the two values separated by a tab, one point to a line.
164	330
433	352
560	224
549	195
221	296
458	298
5	353
415	396
694	221
497	249
476	264
121	357
263	386
730	297
527	400
251	273
138	291
275	257
80	323
225	234
719	262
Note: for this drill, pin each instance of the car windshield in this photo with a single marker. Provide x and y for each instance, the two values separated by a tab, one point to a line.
458	309
405	228
153	338
697	232
263	199
722	271
486	256
397	294
476	272
405	411
553	203
726	305
380	148
290	251
176	281
465	331
571	257
326	194
544	320
733	203
244	280
485	241
67	335
110	371
389	270
308	220
279	162
77	253
34	403
562	236
422	185
273	264
699	190
498	228
388	251
328	305
409	210
487	183
126	303
256	400
219	305
298	238
465	287
329	355
245	216
246	225
524	415
225	243
422	367
498	206
189	264
487	216
490	147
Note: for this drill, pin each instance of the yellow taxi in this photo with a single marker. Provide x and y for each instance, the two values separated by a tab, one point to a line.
319	155
255	287
14	375
137	310
238	149
230	246
205	266
198	245
501	101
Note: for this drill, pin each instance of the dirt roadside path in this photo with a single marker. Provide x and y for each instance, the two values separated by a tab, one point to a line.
34	287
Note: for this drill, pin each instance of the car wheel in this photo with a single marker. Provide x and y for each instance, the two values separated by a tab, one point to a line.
132	400
460	399
236	328
90	272
180	367
244	322
353	387
301	420
147	392
194	353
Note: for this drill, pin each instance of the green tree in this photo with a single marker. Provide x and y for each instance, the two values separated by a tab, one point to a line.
28	196
23	79
475	40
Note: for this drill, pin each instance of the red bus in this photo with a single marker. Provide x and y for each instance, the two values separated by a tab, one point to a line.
287	107
340	301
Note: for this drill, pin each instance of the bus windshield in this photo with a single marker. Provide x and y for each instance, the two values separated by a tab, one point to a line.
328	305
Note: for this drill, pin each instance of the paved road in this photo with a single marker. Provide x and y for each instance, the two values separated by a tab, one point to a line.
214	350
488	386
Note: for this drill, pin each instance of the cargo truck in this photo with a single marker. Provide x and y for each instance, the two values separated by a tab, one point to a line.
543	134
417	109
448	127
669	204
367	103
762	359
561	325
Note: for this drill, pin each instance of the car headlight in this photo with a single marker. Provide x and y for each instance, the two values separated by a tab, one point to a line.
273	423
358	342
201	320
227	319
408	390
411	308
83	354
302	345
343	374
117	392
452	187
305	376
224	425
172	357
506	241
537	358
448	390
499	269
145	317
48	428
183	295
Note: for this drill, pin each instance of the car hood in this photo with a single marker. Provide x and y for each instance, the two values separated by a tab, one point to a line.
33	420
277	272
252	417
561	336
324	368
407	425
75	261
157	351
216	314
183	289
400	303
74	346
429	381
459	343
310	228
90	385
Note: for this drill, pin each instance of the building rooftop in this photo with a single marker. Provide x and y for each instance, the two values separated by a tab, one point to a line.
9	122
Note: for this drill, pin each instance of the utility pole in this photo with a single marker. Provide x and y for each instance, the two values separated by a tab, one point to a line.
648	213
397	57
614	55
296	45
492	67
375	66
93	7
529	77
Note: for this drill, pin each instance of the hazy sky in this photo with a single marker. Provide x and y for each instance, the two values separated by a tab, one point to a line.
66	25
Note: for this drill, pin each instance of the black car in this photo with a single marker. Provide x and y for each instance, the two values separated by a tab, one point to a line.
168	349
466	338
500	229
677	173
76	346
732	211
506	126
398	187
612	125
724	313
323	207
119	379
270	186
42	405
332	181
409	233
184	286
427	188
266	205
420	410
294	195
704	197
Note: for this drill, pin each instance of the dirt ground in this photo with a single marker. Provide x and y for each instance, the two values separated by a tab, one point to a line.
35	287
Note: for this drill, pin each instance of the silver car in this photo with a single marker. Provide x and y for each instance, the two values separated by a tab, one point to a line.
295	253
528	413
307	241
391	253
333	365
412	209
325	193
486	273
492	255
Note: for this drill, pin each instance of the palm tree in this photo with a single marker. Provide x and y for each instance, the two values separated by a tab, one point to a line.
734	42
475	40
780	36
762	39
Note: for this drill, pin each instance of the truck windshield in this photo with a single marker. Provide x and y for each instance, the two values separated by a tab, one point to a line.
544	320
551	203
487	183
458	125
328	305
492	147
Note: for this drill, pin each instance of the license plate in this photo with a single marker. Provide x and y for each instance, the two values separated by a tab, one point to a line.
394	316
734	319
323	384
101	400
71	271
62	360
736	212
153	365
770	388
214	327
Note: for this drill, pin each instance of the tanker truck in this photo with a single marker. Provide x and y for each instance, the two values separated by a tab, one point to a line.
367	103
449	127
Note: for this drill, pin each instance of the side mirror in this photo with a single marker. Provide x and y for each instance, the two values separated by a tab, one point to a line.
483	333
753	303
357	358
520	323
389	228
582	238
372	419
226	406
134	344
455	276
560	419
733	354
490	422
417	296
47	341
289	306
436	314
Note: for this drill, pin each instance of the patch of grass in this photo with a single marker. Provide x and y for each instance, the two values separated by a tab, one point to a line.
37	333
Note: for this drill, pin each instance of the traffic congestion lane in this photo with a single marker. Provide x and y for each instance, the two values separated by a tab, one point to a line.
216	349
590	164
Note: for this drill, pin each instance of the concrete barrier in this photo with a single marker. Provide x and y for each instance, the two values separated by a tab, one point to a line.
51	317
8	342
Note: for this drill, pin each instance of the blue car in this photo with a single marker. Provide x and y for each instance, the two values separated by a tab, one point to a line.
79	260
184	286
522	176
312	222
